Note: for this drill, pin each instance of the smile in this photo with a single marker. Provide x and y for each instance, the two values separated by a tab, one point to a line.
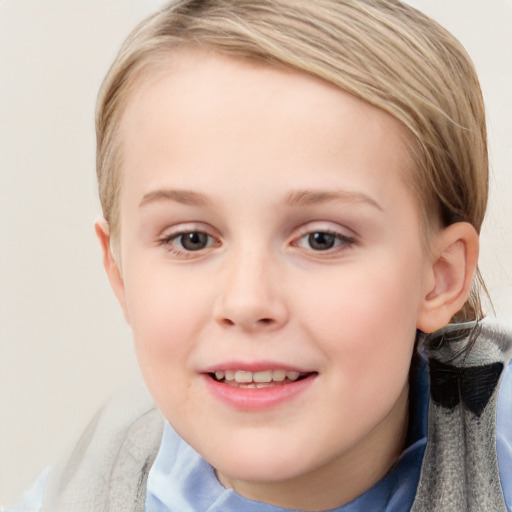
257	380
263	389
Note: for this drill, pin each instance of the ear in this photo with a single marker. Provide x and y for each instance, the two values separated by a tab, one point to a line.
110	264
453	265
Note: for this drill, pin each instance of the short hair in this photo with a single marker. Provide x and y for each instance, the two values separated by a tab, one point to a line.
382	51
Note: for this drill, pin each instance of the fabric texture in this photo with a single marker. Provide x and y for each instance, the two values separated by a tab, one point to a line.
107	471
460	467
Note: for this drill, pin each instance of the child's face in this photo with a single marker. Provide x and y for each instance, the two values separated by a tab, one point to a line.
266	226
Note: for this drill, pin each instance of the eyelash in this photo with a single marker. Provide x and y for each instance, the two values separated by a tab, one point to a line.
168	240
341	242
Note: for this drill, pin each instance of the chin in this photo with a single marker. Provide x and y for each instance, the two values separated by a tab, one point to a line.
258	473
259	465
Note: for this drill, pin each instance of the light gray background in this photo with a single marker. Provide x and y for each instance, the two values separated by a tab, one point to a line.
64	347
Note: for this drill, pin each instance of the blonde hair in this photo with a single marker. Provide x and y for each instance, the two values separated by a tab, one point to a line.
382	51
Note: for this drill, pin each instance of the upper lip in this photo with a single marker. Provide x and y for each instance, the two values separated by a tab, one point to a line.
255	366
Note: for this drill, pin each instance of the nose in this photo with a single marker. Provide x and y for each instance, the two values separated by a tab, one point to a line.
252	295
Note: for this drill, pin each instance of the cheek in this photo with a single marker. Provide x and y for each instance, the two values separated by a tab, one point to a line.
166	330
364	320
166	318
361	299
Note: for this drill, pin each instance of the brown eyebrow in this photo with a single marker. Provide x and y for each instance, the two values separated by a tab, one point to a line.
294	198
187	197
313	197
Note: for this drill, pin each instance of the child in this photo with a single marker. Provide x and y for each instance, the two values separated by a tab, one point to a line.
292	194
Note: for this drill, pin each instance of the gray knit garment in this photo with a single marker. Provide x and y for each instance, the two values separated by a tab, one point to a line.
107	471
459	472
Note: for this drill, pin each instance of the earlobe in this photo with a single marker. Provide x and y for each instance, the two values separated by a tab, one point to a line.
452	268
110	264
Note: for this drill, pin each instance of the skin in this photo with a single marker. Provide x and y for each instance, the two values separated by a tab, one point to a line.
276	156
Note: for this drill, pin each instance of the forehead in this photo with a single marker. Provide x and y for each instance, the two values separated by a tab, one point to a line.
220	110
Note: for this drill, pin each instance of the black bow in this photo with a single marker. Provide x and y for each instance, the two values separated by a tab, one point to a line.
474	385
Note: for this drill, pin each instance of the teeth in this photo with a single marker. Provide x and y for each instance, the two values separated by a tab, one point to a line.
243	377
260	378
278	375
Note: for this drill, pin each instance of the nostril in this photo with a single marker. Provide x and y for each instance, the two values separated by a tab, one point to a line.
262	322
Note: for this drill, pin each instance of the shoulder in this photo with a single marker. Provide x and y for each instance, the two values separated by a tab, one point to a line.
110	462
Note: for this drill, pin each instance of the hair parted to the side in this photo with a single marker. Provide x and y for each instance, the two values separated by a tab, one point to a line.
382	51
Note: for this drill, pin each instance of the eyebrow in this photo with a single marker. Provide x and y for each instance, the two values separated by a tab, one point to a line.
294	198
187	197
314	197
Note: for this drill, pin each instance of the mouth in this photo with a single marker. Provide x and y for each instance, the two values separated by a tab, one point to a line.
259	388
258	380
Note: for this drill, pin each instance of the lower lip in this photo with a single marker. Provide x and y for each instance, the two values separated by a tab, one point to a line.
257	399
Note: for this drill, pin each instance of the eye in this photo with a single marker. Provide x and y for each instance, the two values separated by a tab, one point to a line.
188	241
323	240
193	241
320	241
